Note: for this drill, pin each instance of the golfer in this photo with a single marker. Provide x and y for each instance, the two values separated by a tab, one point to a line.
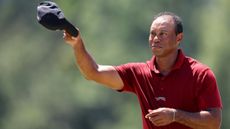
174	91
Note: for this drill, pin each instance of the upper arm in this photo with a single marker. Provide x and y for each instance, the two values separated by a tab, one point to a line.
107	75
208	90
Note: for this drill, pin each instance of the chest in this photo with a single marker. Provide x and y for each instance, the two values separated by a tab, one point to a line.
177	90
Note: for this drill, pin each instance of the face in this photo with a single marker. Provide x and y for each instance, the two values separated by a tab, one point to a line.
162	38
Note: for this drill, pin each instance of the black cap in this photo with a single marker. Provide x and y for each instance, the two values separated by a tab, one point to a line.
51	17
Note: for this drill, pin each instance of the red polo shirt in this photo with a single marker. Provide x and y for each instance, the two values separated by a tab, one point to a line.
190	86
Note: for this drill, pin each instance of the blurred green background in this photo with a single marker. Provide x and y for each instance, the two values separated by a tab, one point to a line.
41	88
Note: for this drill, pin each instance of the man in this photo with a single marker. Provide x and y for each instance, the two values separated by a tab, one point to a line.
174	91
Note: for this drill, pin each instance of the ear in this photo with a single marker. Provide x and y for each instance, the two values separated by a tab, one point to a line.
179	37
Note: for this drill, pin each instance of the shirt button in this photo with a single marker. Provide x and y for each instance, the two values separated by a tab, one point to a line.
162	88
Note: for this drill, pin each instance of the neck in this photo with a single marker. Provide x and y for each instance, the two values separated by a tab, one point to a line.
165	64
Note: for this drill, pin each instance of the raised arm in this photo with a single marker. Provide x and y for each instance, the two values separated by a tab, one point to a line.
102	74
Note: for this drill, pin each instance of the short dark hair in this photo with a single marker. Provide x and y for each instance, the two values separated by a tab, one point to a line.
177	21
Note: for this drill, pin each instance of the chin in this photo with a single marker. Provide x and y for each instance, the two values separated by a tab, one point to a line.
157	52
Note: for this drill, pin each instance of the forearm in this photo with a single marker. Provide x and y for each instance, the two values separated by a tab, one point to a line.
199	120
84	61
103	74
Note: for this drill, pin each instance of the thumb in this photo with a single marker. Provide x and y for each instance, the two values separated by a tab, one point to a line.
149	110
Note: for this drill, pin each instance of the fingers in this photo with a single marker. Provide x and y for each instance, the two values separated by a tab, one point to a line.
157	121
68	38
160	116
154	117
71	40
151	113
66	35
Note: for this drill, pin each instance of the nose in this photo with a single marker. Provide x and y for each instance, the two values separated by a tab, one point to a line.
154	39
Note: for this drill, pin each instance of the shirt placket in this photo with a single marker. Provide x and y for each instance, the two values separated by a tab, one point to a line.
160	97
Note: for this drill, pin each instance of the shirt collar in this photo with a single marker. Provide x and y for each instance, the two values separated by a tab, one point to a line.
177	65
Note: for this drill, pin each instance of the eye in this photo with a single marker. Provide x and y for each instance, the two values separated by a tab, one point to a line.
152	33
163	34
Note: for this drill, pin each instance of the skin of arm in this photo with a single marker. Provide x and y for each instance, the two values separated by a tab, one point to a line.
103	74
208	119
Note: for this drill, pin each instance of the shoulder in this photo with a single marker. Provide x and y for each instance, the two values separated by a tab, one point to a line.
197	65
199	69
135	67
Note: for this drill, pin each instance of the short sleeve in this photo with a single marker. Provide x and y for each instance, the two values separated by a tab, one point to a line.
127	75
209	95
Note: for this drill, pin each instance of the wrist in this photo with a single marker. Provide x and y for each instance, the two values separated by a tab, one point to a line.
174	115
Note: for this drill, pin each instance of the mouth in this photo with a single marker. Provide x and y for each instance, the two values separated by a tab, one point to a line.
156	46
